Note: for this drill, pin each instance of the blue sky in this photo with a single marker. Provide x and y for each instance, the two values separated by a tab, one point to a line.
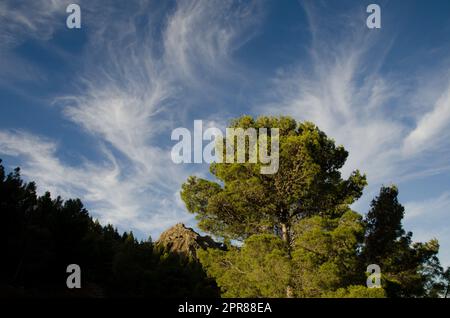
88	113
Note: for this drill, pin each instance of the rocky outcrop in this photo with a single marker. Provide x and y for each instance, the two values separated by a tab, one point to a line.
185	241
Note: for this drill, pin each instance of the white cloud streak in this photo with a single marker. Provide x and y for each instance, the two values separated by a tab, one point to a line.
430	208
128	100
22	19
341	89
381	119
123	200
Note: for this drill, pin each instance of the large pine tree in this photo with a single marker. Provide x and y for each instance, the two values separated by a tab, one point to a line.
242	201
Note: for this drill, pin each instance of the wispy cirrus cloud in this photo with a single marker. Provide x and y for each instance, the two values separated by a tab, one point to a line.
22	19
130	201
201	37
432	127
426	216
342	89
395	126
432	208
139	66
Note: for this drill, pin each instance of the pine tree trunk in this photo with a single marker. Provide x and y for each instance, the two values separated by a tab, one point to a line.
286	238
285	234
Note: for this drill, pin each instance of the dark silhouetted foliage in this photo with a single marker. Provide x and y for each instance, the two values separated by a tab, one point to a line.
41	236
409	269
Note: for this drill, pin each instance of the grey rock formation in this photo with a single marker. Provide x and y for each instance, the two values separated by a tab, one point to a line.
185	241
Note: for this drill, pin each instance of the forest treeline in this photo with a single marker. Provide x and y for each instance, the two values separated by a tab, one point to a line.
290	234
42	236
